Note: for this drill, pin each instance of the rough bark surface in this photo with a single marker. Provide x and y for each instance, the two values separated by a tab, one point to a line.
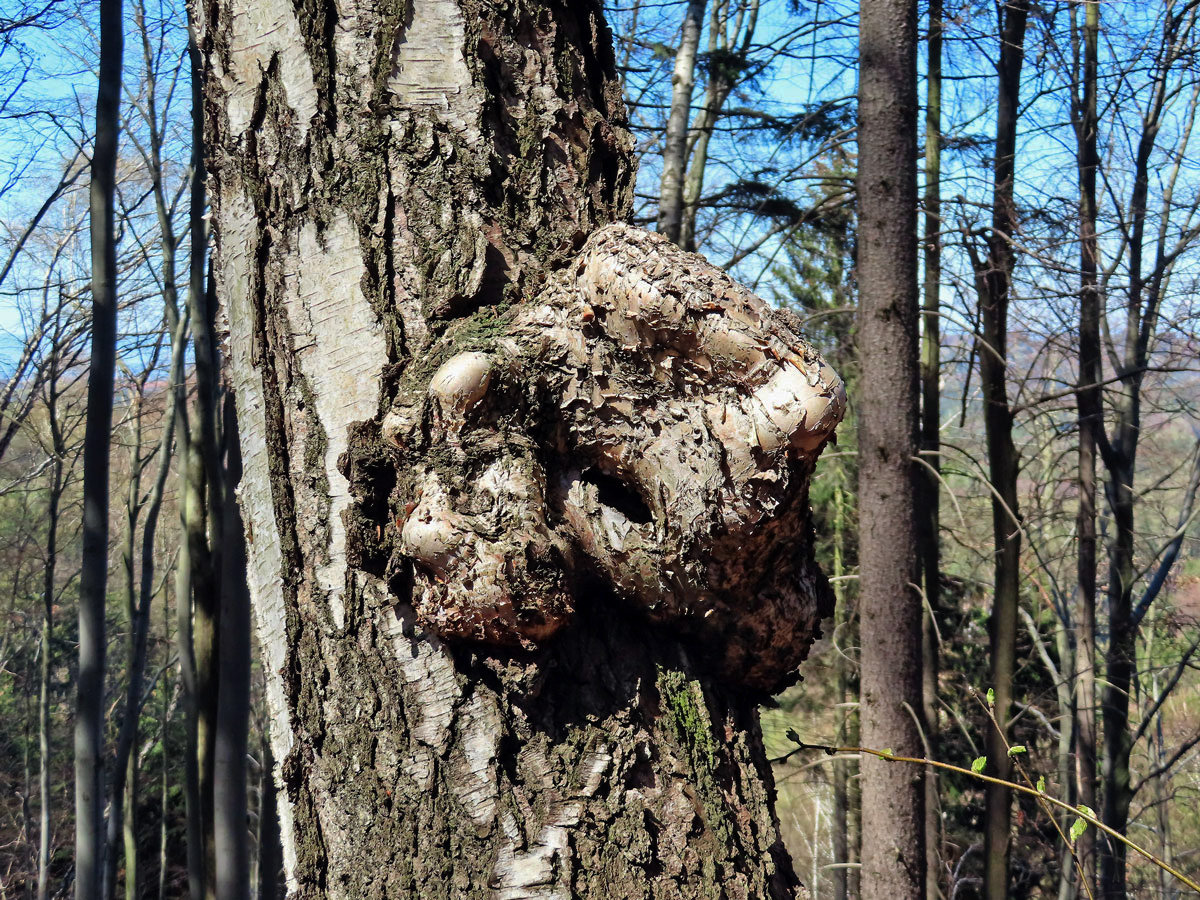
647	423
439	350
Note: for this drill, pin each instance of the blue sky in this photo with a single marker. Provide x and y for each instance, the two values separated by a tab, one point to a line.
49	118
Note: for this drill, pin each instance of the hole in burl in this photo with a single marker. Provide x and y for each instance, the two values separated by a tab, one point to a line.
615	493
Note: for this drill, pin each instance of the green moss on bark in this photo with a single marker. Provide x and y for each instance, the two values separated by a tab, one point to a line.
685	706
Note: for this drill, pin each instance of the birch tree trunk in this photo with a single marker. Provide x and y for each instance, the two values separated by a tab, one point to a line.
525	491
675	141
728	47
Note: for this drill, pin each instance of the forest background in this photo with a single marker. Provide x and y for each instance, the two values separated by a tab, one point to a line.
754	166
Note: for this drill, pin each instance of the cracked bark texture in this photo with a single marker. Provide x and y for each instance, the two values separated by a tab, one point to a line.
525	490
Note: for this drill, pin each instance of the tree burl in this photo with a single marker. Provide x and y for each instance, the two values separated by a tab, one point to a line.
644	428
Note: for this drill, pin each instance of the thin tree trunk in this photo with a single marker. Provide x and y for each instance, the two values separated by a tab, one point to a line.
124	762
187	669
205	651
1067	888
178	322
205	491
716	93
47	668
121	797
231	837
164	805
190	511
1003	465
841	630
931	402
208	546
891	609
1121	463
523	716
1169	888
1090	423
25	827
129	800
89	718
1120	664
270	853
1120	459
675	141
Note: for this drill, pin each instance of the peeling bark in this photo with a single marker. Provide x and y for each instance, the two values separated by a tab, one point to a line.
645	421
525	491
